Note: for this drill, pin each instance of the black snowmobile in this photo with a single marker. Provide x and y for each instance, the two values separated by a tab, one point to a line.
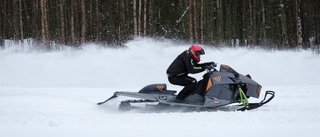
225	89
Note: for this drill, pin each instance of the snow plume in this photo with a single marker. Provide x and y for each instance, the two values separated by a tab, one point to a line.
55	93
145	61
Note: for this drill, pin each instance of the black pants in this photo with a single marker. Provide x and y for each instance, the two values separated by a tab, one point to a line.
189	84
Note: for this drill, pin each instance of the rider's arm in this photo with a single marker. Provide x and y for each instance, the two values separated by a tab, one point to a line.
194	67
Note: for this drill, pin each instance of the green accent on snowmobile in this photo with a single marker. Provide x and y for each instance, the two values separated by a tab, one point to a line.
243	97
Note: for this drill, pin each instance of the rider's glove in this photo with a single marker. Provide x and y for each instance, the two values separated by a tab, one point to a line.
209	67
210	64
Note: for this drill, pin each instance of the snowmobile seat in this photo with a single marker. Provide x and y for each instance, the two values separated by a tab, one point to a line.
157	89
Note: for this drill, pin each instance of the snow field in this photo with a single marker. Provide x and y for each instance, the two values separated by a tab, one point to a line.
55	94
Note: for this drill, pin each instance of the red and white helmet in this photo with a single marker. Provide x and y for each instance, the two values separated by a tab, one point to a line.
196	51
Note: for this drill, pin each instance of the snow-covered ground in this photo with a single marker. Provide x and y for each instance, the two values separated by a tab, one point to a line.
55	94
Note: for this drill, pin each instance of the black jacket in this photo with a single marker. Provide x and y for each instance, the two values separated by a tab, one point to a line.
183	65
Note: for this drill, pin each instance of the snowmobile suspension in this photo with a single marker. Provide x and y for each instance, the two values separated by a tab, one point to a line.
243	97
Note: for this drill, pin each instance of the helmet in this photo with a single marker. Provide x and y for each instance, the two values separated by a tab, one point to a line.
196	51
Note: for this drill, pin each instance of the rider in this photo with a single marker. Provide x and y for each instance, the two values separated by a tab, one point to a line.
185	63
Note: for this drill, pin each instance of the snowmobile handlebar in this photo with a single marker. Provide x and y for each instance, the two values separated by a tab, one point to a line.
211	67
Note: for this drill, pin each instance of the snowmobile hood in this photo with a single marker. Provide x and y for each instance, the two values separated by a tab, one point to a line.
226	76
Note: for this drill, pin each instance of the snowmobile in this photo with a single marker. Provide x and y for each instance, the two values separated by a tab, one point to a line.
225	89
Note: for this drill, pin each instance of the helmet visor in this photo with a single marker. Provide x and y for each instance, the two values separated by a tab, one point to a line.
200	52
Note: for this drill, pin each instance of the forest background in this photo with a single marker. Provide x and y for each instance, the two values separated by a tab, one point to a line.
267	24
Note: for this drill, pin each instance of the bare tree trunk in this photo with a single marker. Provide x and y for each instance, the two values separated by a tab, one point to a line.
62	24
135	19
243	29
284	27
1	40
150	24
298	25
20	20
2	24
317	39
219	22
139	18
254	23
15	22
97	26
263	24
234	22
2	29
250	27
90	20
145	18
201	23
34	21
72	23
45	27
190	21
83	22
122	26
317	31
227	22
195	21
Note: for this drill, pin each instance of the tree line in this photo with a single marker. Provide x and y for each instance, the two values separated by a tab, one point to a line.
276	24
